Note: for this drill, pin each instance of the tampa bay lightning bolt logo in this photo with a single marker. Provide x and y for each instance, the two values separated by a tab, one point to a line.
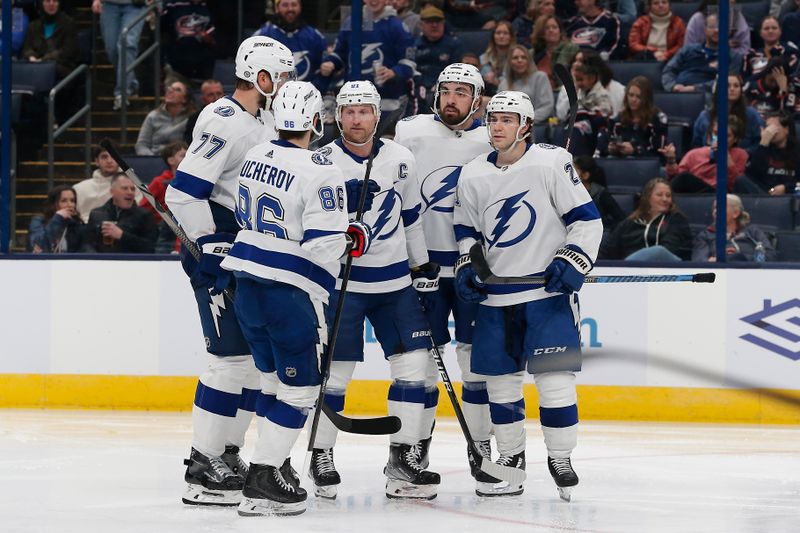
388	215
438	187
301	64
370	52
224	111
510	217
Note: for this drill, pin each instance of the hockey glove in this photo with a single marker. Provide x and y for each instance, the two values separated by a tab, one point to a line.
360	238
566	271
353	187
214	248
425	279
468	286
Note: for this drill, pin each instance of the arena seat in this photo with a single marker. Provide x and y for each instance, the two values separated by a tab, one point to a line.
678	134
770	212
788	246
628	175
474	41
696	207
147	167
684	10
753	11
225	72
32	77
626	201
625	71
681	107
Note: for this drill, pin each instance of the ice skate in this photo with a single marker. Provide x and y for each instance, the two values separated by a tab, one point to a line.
405	478
210	481
267	493
234	461
423	447
323	473
485	447
564	476
289	473
496	487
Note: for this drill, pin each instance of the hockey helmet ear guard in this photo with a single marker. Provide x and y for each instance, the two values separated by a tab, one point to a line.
358	93
262	53
296	106
460	73
515	102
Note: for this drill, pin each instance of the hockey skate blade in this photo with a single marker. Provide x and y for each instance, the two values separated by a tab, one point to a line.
492	490
199	495
398	490
326	492
565	493
509	474
263	507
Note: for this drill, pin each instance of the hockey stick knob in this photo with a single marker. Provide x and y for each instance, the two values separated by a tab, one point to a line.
705	277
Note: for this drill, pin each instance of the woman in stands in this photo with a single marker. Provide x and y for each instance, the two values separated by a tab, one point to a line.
739	29
166	123
757	58
60	228
593	178
775	89
752	122
522	75
497	54
697	171
615	90
658	34
742	238
551	47
655	231
640	130
775	163
525	23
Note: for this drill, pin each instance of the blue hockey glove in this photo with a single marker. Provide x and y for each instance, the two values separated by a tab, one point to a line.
214	248
566	271
425	279
468	286
360	238
353	187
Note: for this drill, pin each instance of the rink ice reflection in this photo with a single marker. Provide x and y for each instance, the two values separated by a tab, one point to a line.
91	471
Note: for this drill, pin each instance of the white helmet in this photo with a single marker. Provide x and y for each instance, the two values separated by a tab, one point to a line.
515	102
296	105
262	53
460	73
358	93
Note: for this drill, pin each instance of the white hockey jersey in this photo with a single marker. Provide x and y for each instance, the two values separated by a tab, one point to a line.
440	152
203	194
292	207
523	213
397	236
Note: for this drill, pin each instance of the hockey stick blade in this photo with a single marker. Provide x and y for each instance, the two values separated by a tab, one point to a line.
386	425
511	475
565	78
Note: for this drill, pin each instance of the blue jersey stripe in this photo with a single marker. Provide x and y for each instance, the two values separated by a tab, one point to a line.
283	261
334	401
507	413
585	213
365	274
464	232
315	233
559	417
446	259
287	416
400	393
410	215
216	401
192	185
249	399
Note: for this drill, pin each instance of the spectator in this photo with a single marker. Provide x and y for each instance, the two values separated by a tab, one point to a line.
655	231
19	29
625	11
405	12
53	37
594	109
773	90
497	54
697	171
757	58
521	75
525	23
187	38
658	34
616	91
591	176
95	191
775	163
435	49
306	42
737	106
119	225
167	122
739	29
694	67
551	47
172	154
210	92
388	40
790	23
741	239
595	28
475	14
640	129
114	16
60	228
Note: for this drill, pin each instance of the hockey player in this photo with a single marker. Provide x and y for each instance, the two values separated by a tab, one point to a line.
381	287
202	196
526	205
291	203
441	144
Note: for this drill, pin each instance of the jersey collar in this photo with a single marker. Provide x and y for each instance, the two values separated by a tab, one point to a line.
492	157
284	143
357	158
476	123
235	101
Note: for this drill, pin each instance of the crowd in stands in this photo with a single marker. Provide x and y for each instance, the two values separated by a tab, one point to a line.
406	45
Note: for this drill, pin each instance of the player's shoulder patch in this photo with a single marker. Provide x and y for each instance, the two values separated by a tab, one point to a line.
569	170
407	119
547	146
320	156
224	111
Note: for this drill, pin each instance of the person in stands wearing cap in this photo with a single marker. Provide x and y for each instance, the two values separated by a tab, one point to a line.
435	50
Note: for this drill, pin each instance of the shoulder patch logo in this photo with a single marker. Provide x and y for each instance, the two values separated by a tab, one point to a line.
319	157
412	117
570	171
224	111
271	153
546	146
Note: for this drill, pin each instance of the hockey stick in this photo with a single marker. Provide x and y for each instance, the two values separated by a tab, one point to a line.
485	274
504	473
364	426
565	78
